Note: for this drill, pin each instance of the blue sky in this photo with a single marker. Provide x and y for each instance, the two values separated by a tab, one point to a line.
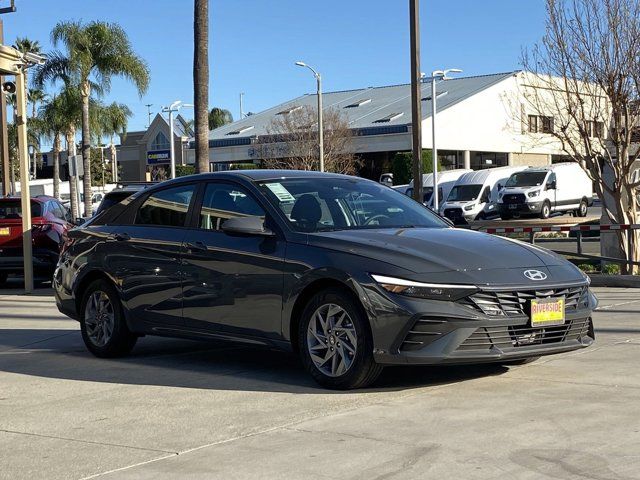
254	43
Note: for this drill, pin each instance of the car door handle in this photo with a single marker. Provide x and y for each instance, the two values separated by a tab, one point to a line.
196	247
121	237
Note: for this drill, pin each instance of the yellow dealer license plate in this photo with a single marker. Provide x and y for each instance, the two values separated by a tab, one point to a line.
547	312
5	232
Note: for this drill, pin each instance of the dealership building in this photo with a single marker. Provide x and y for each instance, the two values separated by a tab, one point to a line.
146	154
482	122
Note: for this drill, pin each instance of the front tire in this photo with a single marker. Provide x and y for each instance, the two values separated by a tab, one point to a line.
104	329
545	211
583	208
335	342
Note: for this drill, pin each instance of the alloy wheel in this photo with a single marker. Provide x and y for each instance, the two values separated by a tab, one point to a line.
99	318
332	340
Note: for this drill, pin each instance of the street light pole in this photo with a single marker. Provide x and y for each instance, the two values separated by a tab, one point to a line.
174	107
320	116
436	75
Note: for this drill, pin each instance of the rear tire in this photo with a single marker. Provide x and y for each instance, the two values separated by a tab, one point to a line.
104	329
545	211
335	342
522	361
582	209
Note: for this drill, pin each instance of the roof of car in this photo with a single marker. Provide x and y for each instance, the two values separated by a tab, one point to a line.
263	174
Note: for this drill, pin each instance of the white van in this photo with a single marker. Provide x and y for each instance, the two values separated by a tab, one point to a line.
446	181
475	194
563	187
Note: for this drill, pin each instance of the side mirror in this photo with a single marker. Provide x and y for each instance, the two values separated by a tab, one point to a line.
551	186
251	225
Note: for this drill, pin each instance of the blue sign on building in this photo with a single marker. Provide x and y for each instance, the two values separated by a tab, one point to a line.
156	157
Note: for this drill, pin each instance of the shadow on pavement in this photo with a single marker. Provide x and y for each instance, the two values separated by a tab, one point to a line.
60	354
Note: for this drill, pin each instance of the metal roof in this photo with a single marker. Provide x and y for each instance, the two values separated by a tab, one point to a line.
372	110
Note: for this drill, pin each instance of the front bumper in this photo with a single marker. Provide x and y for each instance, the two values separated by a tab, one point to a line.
520	208
439	332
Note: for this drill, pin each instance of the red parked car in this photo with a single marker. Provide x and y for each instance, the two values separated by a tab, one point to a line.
50	221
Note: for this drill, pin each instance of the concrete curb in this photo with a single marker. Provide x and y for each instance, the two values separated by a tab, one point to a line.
623	281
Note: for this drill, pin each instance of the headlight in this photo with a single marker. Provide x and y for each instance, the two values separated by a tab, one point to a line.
535	193
469	207
435	291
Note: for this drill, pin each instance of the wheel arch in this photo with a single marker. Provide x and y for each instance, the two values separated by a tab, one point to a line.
307	292
84	281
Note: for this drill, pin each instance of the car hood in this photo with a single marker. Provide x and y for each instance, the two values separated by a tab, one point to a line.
432	250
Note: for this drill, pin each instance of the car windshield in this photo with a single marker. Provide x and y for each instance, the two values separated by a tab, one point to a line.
463	193
324	204
11	208
526	179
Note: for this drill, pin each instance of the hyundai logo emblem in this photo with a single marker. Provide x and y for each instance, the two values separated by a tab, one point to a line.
535	275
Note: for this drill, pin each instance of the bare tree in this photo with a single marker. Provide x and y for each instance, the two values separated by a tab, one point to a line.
291	142
585	80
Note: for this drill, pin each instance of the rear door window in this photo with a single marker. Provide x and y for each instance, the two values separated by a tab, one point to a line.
166	208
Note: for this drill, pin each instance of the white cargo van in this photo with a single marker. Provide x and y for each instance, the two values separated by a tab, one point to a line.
563	187
475	194
446	181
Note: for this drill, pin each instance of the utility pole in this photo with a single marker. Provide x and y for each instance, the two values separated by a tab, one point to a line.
416	110
4	140
241	109
149	105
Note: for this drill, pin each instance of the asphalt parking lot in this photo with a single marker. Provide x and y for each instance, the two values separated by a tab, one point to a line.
180	409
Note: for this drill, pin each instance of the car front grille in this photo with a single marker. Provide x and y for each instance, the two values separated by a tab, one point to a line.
453	213
515	303
502	337
513	198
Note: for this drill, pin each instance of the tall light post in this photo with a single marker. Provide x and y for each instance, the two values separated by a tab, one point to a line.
174	107
435	76
320	128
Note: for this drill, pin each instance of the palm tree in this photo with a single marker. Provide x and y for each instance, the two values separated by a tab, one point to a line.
219	117
34	97
115	118
53	125
95	52
201	82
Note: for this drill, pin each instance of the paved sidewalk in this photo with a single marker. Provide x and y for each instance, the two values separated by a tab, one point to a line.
180	409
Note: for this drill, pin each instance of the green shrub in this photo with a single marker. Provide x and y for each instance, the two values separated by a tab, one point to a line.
587	268
611	269
183	170
401	166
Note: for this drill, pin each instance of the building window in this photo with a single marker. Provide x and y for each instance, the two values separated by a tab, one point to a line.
160	142
595	129
540	124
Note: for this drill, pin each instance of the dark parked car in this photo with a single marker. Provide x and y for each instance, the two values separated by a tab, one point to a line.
50	220
349	273
118	194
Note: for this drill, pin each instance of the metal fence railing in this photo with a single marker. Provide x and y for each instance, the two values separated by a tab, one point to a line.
579	232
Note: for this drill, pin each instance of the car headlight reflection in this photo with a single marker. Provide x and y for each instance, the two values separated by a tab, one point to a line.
434	291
